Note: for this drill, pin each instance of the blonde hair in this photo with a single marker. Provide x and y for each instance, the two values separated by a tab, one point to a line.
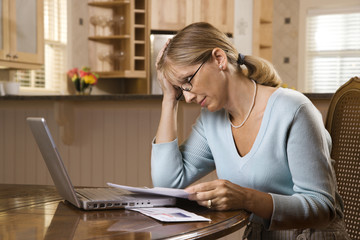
194	44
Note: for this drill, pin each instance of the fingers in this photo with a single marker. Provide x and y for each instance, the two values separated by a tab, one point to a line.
201	196
167	88
202	187
202	192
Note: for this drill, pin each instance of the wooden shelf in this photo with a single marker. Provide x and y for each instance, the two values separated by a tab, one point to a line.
108	38
139	42
139	11
139	26
109	4
122	74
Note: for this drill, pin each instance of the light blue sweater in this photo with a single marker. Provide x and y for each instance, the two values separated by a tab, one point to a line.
290	159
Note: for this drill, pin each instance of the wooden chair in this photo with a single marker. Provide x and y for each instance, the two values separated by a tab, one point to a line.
343	124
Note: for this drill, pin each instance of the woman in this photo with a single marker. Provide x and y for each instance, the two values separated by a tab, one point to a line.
268	144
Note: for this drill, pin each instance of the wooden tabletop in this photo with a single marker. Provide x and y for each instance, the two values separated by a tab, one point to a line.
37	212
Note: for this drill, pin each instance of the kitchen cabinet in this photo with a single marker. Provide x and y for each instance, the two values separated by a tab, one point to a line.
169	15
218	13
172	15
119	38
21	33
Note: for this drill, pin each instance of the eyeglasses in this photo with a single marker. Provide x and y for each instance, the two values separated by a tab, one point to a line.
187	86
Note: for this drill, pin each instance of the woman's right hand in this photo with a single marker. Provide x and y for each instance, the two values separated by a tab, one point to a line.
169	91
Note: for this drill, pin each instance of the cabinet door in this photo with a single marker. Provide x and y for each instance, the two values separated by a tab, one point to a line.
4	29
218	13
26	27
169	14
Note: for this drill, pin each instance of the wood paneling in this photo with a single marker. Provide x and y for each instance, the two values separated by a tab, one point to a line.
111	141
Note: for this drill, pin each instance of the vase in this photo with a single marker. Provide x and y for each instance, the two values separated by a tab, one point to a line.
85	91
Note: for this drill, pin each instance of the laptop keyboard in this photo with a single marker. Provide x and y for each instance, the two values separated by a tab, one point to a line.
103	194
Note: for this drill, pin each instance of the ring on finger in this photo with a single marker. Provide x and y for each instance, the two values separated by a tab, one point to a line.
209	203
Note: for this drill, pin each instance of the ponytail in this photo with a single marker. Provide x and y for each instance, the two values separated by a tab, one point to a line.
260	70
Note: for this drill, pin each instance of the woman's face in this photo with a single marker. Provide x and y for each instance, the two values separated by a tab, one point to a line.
209	85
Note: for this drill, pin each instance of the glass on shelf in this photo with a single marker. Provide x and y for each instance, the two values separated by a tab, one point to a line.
103	56
94	21
118	58
110	23
114	60
102	23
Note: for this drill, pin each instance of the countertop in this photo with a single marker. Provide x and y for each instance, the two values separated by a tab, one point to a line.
109	97
120	97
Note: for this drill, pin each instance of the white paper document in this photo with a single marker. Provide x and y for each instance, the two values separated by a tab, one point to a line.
172	192
171	214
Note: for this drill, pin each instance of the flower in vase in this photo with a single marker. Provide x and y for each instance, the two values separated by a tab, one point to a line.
83	79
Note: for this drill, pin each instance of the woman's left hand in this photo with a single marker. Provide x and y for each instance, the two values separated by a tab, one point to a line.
218	194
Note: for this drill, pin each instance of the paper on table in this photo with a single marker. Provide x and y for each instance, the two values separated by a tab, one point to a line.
171	214
172	192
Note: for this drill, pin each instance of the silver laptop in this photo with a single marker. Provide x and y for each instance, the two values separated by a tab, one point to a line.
86	198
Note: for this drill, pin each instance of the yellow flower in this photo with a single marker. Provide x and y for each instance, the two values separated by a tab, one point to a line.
89	79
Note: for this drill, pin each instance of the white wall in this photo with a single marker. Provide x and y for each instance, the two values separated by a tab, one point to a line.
78	34
243	18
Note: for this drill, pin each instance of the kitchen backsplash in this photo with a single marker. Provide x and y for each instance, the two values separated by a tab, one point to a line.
285	40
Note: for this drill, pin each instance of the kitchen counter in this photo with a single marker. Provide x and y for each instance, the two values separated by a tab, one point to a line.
319	96
121	97
111	97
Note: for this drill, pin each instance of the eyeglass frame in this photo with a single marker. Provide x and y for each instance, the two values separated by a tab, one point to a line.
190	86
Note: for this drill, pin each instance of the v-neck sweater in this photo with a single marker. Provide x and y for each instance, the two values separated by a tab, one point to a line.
290	159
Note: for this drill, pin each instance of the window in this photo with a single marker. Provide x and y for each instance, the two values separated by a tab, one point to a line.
332	49
53	73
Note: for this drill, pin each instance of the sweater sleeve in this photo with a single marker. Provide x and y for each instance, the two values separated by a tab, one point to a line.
178	167
308	151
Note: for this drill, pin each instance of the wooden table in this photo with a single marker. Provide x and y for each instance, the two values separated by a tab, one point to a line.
38	212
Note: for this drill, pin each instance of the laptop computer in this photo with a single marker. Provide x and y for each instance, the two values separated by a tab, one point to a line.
86	198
